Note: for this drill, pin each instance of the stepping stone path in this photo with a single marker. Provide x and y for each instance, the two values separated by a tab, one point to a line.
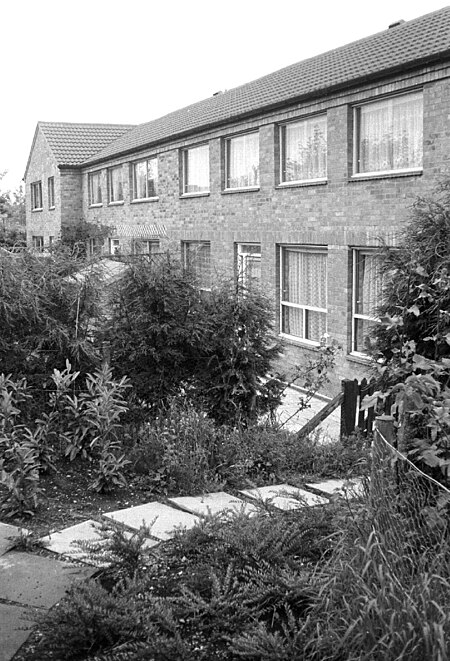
285	497
213	503
349	488
161	519
29	581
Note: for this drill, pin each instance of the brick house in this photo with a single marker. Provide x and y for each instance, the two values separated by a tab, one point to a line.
290	180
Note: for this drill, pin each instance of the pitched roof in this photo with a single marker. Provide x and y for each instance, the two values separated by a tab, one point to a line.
407	45
72	144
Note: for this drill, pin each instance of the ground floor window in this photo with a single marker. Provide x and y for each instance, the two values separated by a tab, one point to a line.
303	295
145	247
95	244
114	246
197	260
249	264
38	243
366	292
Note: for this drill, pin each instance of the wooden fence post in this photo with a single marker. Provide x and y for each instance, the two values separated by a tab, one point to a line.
349	405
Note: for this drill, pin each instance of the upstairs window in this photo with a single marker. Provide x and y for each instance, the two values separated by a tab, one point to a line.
389	135
249	264
145	179
304	150
196	170
242	161
367	284
304	293
95	188
197	260
51	192
115	185
36	196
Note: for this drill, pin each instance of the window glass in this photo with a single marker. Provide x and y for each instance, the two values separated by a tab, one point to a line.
304	293
196	170
115	184
197	260
242	161
145	179
304	150
249	264
390	134
36	195
95	188
367	284
51	192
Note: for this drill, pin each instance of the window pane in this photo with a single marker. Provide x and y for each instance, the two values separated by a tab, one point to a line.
152	177
305	278
367	283
292	321
196	175
316	325
391	134
198	262
243	161
115	185
139	180
361	340
305	150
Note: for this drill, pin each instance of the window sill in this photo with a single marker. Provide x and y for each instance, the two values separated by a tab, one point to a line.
119	203
299	342
52	208
96	205
386	175
145	199
302	184
186	196
360	358
37	209
249	189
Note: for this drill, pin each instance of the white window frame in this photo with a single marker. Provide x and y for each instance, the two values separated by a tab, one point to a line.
36	196
190	246
113	196
146	161
301	306
38	243
228	145
356	252
242	254
114	246
186	170
95	245
51	192
357	139
283	142
145	246
95	189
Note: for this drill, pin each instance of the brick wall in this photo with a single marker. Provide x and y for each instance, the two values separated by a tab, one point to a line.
340	214
45	222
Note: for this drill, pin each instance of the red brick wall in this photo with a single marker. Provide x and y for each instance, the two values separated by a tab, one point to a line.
341	214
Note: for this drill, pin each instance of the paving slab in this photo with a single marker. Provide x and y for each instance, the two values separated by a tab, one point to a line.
16	624
35	580
64	541
162	519
214	503
7	534
285	496
350	488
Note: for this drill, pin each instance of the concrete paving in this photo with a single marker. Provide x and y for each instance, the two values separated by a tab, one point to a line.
350	488
293	420
35	580
161	519
16	624
285	496
7	535
213	503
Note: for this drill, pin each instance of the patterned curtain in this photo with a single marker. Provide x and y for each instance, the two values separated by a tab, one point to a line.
305	154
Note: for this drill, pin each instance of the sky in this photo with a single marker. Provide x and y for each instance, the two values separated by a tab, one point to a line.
104	61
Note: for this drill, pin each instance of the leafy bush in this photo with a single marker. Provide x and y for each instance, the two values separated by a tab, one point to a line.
168	339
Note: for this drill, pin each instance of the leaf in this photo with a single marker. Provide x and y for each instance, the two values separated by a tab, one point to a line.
414	310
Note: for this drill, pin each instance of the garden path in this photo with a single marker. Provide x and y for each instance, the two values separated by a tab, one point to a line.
31	584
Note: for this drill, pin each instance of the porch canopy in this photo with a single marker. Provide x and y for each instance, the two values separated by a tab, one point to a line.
140	231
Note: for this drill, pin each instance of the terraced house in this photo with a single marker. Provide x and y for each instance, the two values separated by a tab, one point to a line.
290	180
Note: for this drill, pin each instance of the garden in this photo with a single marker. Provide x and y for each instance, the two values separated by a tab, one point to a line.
115	394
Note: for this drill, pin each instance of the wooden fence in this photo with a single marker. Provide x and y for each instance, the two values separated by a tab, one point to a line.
349	399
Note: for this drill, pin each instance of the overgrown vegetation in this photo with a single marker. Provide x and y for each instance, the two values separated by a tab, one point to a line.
413	340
